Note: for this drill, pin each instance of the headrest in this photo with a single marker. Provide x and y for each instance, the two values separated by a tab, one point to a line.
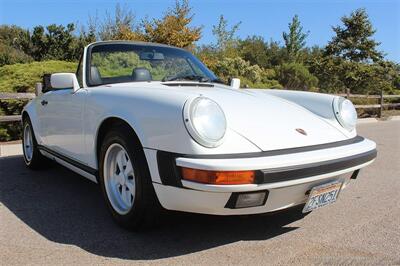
141	74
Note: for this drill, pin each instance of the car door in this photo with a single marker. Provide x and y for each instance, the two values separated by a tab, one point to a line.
63	122
40	131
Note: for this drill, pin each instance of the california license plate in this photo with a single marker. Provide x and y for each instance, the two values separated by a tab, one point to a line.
322	195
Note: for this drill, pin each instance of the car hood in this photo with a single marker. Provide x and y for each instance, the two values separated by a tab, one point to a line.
269	122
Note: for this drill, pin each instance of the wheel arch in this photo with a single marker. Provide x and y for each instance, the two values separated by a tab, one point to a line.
24	115
29	113
106	125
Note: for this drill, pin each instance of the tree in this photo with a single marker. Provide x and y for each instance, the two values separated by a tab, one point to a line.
276	54
9	55
54	42
173	28
250	75
328	71
227	45
296	76
13	42
294	39
354	41
259	52
369	78
125	33
85	37
14	36
208	55
336	74
58	42
254	50
237	67
110	28
225	37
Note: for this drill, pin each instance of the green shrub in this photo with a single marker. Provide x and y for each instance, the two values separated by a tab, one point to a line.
11	130
237	67
266	84
251	75
9	55
4	136
295	76
22	77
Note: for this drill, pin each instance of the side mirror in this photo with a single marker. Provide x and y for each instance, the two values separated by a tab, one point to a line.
61	81
235	83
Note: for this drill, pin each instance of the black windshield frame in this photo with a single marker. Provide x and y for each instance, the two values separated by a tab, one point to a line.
119	45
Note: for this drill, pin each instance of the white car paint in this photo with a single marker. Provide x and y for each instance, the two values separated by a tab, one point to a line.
258	121
277	161
210	202
63	123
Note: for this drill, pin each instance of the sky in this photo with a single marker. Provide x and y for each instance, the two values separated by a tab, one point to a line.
265	18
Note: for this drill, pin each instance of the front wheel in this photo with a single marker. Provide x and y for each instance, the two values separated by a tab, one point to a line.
125	181
32	156
119	178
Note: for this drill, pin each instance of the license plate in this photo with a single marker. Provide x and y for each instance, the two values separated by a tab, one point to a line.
323	195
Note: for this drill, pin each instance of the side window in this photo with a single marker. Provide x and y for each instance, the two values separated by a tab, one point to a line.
79	73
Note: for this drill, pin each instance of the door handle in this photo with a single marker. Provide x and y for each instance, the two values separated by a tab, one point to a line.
44	102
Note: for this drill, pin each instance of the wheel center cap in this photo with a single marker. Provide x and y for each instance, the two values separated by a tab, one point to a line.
122	179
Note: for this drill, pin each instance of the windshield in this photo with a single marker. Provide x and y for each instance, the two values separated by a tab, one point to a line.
122	62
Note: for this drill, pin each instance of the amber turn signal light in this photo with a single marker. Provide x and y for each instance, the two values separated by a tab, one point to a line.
218	177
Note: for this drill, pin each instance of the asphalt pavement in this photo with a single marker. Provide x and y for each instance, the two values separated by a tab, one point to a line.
54	217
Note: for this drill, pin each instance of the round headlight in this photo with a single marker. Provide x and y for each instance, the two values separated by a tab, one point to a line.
205	121
345	113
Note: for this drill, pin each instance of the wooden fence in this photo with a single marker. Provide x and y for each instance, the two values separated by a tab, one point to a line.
381	105
381	99
14	96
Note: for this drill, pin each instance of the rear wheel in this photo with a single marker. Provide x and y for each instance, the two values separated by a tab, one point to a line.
125	180
32	156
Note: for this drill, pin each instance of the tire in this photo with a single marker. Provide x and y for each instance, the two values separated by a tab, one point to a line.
121	188
32	157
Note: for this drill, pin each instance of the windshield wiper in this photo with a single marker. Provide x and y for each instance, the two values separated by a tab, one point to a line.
187	77
217	80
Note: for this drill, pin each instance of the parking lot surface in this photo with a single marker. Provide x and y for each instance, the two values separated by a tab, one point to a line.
56	217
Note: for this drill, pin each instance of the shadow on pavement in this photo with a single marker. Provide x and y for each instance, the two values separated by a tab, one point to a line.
66	208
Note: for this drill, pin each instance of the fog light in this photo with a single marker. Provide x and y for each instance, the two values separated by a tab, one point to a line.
247	199
250	200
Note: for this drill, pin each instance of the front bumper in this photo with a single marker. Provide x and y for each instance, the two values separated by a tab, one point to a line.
287	175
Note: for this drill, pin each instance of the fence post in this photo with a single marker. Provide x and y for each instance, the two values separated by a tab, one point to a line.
381	104
38	89
348	93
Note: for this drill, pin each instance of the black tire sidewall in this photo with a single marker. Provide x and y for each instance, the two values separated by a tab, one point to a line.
136	155
24	124
37	158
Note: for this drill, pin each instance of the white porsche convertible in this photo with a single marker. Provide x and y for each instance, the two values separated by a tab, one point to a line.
157	129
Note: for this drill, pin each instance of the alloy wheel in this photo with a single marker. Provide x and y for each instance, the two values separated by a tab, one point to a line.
119	178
